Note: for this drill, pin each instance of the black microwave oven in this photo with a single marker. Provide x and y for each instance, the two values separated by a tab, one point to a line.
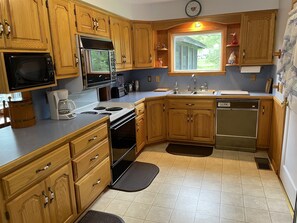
29	70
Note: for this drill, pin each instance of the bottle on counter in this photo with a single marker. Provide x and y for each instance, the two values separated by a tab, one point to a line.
136	85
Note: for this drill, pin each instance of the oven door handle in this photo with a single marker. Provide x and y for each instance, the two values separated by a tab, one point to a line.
122	122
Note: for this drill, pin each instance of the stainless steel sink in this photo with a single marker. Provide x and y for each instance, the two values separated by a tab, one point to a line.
206	92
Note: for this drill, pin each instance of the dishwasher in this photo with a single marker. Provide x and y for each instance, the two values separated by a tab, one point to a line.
237	124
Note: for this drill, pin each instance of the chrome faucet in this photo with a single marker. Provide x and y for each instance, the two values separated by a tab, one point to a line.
195	81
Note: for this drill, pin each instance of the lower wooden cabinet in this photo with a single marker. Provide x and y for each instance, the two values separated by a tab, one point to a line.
140	132
264	123
191	120
92	184
51	200
156	120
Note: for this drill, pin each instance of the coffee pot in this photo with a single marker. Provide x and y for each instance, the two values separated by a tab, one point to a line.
60	106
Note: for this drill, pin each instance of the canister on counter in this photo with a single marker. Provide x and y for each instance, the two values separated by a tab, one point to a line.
136	85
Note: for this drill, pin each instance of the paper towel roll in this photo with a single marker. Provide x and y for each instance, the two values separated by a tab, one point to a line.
250	69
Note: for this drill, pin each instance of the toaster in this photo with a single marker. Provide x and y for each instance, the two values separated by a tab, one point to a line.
117	92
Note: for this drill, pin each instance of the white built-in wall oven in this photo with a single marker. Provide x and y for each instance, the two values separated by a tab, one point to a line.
97	60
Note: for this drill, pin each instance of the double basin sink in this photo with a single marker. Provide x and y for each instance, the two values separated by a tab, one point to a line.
205	92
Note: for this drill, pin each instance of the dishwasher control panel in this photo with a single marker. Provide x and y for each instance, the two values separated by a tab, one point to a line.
224	104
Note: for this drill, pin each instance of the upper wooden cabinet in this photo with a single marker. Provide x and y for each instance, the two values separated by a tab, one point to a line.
23	25
91	21
62	24
257	38
121	36
143	45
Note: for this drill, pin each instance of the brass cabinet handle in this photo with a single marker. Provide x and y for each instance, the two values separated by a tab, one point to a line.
92	139
1	29
45	199
263	110
94	23
52	194
94	158
97	24
243	54
8	28
188	118
97	182
76	59
190	104
44	168
151	58
191	118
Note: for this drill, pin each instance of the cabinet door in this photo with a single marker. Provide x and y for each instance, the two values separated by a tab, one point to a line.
63	37
257	38
116	36
143	45
60	189
156	121
178	124
85	20
127	44
264	124
26	20
202	126
102	24
31	206
140	133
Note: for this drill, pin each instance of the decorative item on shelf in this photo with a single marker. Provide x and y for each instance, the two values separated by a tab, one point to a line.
234	41
160	62
232	58
161	46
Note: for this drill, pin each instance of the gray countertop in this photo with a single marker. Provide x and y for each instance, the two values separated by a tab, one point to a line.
15	143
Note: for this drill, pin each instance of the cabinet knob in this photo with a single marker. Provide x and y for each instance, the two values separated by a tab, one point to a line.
92	139
8	28
97	25
94	23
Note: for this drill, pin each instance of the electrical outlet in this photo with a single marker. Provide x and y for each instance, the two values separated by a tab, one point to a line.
158	79
149	78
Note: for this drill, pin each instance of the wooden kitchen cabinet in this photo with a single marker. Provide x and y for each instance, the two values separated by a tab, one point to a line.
121	36
257	38
91	21
140	127
143	45
24	25
51	200
264	123
191	120
156	120
62	24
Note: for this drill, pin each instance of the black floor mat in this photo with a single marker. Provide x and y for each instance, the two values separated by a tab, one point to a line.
100	217
189	150
138	177
262	163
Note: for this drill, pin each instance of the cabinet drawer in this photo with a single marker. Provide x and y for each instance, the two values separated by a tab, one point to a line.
192	104
89	139
91	158
35	170
139	109
92	184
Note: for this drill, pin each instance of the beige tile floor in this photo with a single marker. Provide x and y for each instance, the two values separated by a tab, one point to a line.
225	187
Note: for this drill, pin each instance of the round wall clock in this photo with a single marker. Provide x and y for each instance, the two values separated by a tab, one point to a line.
193	8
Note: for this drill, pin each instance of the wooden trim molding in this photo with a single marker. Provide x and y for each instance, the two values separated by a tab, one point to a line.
277	132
